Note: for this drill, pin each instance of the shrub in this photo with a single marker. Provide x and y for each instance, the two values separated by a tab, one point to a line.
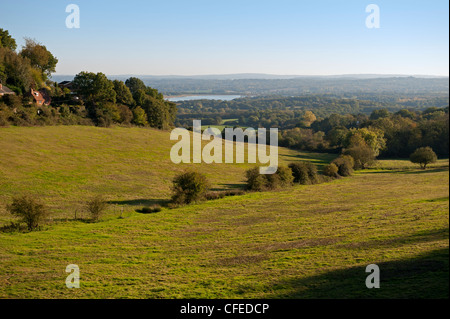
331	170
189	187
304	173
260	182
152	209
312	173
362	154
214	195
255	180
30	210
344	164
423	156
285	176
96	207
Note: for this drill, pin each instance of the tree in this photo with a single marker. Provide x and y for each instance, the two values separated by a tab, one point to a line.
94	87
31	211
123	93
308	118
304	173
139	116
423	156
380	113
6	41
189	187
135	84
255	181
362	154
330	170
96	207
39	57
373	137
345	164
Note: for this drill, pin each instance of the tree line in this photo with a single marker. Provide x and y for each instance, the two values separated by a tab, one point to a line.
91	99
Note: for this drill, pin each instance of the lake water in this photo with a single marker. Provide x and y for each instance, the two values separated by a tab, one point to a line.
204	97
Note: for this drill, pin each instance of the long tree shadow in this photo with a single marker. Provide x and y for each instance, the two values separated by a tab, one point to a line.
404	171
226	187
141	202
425	276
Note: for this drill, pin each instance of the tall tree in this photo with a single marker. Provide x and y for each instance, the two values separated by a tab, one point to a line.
123	93
94	87
6	41
39	57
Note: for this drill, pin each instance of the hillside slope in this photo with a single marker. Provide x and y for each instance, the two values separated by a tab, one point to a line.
305	242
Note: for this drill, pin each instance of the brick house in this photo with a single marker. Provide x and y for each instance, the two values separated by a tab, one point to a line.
40	97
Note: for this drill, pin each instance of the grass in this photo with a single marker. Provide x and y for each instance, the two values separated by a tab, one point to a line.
305	242
130	166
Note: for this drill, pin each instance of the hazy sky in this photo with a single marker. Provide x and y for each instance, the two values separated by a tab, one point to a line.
320	37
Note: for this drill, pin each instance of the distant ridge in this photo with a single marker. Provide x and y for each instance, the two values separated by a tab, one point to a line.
256	76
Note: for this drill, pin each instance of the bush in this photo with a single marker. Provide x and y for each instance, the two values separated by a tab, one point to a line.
423	156
285	176
189	187
255	180
362	154
331	170
30	210
152	209
304	173
260	182
344	164
96	207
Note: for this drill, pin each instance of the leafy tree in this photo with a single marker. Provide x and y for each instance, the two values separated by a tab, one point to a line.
96	207
345	164
31	211
94	87
6	41
423	156
362	154
380	113
373	137
39	57
126	115
15	71
331	170
308	118
123	93
304	173
189	187
139	116
255	181
135	84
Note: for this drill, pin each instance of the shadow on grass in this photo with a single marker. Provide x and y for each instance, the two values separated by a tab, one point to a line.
317	158
425	276
404	171
227	187
419	237
141	202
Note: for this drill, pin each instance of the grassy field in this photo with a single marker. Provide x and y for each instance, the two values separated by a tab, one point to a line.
305	242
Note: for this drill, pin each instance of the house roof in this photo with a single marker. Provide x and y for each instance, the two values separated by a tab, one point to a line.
5	90
40	97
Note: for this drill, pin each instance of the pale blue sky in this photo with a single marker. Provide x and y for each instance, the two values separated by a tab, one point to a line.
322	37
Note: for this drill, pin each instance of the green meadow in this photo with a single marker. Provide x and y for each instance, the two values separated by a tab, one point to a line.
308	241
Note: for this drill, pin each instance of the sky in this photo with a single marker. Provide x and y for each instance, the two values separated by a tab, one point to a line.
199	37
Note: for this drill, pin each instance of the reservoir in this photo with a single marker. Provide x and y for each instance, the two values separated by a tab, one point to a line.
203	97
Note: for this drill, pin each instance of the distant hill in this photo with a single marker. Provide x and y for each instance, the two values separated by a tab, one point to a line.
289	85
